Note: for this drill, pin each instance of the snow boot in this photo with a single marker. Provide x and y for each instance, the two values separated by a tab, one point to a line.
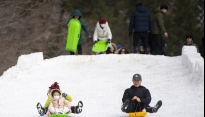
76	109
80	104
157	106
41	110
125	106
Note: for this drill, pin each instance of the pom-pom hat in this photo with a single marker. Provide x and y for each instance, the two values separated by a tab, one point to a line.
54	86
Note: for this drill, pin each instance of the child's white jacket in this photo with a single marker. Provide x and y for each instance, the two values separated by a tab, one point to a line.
102	34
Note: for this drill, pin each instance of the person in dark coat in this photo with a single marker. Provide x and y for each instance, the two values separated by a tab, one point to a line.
137	98
201	49
159	29
189	42
77	14
142	24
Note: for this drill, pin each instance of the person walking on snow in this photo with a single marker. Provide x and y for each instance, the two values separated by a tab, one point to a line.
189	42
158	28
43	110
142	24
77	14
137	98
103	33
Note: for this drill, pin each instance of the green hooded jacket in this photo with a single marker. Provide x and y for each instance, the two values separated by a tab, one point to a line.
158	21
77	12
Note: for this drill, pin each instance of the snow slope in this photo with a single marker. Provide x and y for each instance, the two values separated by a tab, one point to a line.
100	81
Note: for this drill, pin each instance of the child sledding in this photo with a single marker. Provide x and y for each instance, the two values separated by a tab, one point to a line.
58	103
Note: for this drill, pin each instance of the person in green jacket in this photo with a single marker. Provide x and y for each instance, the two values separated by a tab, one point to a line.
77	14
159	29
43	110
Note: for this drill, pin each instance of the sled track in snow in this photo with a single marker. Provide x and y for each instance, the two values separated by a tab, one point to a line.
100	81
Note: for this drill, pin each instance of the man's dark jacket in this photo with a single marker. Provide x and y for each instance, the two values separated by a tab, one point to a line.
141	20
140	92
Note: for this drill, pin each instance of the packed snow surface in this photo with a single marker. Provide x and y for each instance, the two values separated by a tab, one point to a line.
100	81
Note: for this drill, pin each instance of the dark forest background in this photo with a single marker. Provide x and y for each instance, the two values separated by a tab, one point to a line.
28	26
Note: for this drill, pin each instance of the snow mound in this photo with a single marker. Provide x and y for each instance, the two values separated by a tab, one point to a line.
100	81
28	61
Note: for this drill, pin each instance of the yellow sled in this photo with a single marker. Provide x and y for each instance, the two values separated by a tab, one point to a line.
140	114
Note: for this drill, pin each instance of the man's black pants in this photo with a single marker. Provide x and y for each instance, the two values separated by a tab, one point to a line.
158	44
132	109
80	50
144	36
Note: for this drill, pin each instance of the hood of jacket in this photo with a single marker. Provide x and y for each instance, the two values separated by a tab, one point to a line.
157	10
141	9
77	12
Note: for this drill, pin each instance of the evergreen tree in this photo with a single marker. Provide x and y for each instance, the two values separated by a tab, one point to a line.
185	22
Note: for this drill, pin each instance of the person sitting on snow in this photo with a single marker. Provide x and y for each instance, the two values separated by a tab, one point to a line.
43	110
57	105
137	98
103	33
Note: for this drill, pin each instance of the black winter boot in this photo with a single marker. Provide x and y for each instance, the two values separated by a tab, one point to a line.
41	110
125	106
157	106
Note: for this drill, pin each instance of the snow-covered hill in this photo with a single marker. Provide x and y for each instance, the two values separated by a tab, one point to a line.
100	81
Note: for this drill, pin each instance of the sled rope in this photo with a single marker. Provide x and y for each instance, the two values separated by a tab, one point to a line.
138	105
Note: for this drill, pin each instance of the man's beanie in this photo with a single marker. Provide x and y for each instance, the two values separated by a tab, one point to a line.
102	21
55	86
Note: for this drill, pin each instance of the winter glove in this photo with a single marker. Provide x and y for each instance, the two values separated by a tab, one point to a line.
95	42
130	34
109	41
64	95
48	113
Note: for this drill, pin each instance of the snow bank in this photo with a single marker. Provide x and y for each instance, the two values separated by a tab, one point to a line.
28	61
100	81
193	60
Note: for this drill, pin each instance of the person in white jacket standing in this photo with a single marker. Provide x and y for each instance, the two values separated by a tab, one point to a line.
103	33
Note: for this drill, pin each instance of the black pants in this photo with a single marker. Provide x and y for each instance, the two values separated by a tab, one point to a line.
132	109
144	36
80	50
158	44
